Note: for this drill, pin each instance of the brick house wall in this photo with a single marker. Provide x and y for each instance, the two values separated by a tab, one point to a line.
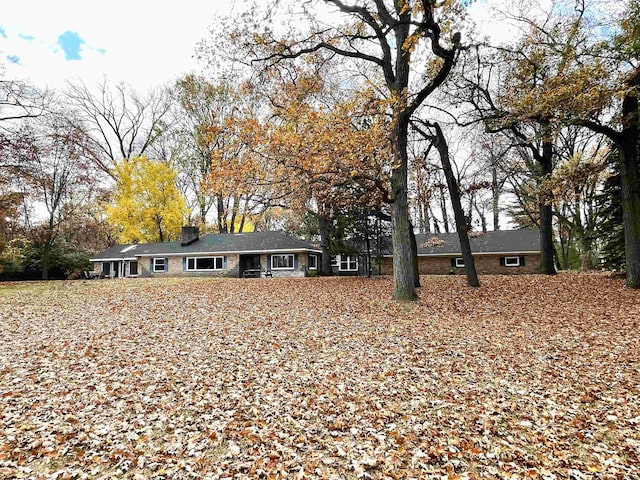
490	264
232	266
485	265
175	267
144	266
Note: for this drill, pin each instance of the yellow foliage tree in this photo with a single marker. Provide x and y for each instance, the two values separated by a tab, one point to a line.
147	206
241	225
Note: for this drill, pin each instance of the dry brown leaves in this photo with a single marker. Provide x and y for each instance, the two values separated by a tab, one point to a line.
525	377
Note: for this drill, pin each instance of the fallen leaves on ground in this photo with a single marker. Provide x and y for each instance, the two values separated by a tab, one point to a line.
526	377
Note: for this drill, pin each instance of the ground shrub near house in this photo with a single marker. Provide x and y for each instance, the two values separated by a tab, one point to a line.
525	377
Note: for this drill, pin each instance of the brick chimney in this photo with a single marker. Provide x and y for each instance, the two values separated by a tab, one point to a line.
189	235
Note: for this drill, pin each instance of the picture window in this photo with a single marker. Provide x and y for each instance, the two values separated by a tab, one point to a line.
282	262
205	264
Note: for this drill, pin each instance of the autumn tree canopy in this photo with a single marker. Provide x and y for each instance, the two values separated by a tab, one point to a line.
410	45
218	132
573	65
327	154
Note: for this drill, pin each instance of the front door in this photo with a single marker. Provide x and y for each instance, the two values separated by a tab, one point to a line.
248	262
133	268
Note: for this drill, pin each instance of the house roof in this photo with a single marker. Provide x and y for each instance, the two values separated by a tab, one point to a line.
502	241
255	242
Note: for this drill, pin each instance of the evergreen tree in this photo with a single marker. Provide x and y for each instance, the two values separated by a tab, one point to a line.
609	227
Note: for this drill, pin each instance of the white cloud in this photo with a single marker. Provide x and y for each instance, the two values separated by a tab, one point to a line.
141	42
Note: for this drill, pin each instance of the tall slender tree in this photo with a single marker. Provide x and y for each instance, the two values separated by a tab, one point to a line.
462	225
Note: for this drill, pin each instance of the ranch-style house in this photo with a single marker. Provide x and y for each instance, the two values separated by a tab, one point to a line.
499	252
232	255
274	254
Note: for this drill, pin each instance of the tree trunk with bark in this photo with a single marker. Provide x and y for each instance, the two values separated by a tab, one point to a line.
630	176
443	207
222	221
403	272
627	141
462	225
546	212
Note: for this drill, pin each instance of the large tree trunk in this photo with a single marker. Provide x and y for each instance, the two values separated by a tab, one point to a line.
160	231
234	214
628	143
631	216
630	183
443	207
462	225
222	220
546	213
403	273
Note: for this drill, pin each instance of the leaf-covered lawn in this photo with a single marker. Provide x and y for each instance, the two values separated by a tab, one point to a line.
526	377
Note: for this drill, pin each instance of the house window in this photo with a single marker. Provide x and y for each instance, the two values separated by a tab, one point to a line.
205	264
159	265
282	262
334	260
511	261
348	263
459	262
313	262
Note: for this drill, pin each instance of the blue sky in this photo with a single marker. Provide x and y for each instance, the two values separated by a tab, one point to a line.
71	44
141	42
